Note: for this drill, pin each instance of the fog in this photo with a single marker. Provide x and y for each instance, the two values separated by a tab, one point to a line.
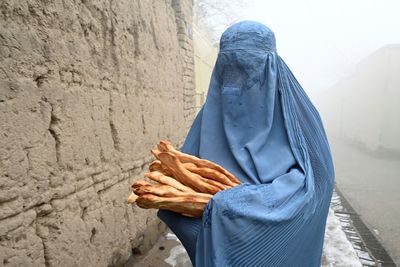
346	55
322	41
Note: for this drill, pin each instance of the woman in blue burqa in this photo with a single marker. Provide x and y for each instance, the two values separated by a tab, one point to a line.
259	124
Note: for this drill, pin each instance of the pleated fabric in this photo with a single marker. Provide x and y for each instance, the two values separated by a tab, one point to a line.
259	124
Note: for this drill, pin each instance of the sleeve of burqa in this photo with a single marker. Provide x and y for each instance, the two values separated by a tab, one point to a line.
259	124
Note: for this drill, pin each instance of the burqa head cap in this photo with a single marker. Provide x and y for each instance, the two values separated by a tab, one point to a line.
248	35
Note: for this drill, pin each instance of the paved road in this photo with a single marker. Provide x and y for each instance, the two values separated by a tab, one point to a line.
372	186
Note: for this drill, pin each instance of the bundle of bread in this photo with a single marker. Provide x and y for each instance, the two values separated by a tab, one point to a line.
183	183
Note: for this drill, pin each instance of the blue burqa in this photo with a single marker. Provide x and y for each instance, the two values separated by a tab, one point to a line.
259	124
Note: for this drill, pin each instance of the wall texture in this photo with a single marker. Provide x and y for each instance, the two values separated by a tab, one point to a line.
86	89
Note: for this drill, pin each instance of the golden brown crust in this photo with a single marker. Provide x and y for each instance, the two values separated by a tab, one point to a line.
157	166
210	174
166	146
186	177
185	205
184	183
163	179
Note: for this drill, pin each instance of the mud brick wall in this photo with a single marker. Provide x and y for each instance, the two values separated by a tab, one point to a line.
86	89
183	9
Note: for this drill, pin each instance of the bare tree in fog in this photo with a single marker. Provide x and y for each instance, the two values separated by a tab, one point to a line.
217	15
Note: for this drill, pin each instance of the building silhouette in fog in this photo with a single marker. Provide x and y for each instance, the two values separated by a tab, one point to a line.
364	108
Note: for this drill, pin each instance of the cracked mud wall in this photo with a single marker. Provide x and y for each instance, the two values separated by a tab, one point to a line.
86	89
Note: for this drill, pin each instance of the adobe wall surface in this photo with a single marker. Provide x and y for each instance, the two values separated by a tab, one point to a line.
87	88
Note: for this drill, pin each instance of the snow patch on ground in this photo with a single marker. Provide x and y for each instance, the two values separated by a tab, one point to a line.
338	251
178	257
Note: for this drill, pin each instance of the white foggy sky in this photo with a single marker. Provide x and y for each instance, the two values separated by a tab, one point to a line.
323	40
